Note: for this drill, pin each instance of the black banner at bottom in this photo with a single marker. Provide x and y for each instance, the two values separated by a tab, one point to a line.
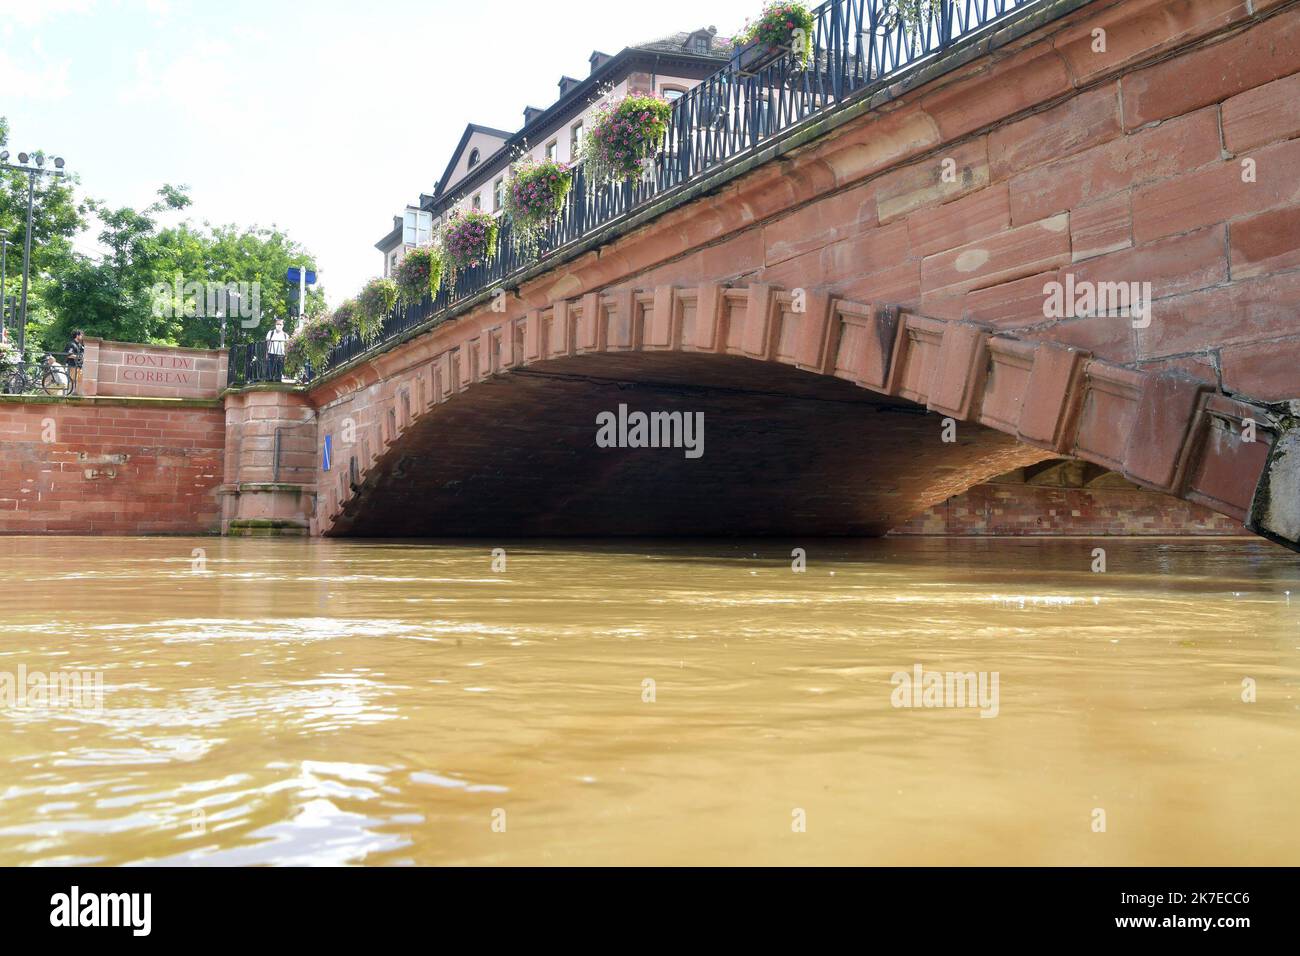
336	905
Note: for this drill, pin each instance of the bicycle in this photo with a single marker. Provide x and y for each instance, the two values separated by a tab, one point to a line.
50	377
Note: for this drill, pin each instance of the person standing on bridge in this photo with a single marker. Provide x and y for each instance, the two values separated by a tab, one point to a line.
74	355
275	344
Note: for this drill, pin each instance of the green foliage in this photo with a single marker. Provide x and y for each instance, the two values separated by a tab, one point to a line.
112	298
312	341
295	354
57	216
377	299
345	317
419	274
230	254
623	134
114	295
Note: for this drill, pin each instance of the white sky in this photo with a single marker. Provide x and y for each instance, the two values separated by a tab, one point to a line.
323	118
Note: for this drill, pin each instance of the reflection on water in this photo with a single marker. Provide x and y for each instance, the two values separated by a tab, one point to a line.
648	702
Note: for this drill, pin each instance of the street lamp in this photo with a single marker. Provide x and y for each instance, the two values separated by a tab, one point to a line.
4	258
32	171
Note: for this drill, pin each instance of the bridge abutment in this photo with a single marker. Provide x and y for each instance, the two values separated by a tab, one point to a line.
270	463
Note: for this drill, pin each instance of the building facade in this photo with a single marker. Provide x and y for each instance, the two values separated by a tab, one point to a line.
476	175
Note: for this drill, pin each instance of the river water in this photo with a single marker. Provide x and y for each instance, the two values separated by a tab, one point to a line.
326	702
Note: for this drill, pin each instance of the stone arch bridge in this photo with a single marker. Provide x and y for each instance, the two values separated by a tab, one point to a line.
830	303
932	250
821	416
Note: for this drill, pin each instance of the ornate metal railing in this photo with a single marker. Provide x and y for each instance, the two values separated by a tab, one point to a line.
754	98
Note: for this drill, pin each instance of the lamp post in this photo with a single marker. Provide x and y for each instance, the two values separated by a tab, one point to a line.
4	258
32	172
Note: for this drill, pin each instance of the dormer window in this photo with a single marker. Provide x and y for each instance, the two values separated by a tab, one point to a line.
473	158
700	43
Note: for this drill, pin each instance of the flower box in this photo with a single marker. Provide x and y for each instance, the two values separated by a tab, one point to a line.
750	60
785	28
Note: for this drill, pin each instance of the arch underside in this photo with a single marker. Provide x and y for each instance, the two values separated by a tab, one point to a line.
820	417
784	452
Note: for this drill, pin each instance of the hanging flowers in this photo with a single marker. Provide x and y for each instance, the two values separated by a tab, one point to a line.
469	239
419	274
534	199
625	133
376	300
345	318
782	26
295	354
312	342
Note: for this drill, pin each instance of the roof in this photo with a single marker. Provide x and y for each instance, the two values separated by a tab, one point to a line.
393	237
470	130
677	43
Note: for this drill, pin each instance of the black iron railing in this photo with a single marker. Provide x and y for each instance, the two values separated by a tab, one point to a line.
252	362
755	97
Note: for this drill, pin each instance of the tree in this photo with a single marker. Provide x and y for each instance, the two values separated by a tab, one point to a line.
230	254
57	216
112	298
138	291
117	296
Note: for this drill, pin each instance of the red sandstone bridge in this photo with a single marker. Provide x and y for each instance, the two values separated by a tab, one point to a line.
839	295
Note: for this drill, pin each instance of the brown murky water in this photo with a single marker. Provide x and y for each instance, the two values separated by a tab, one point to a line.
330	702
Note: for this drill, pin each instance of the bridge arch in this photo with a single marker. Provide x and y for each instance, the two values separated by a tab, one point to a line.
821	416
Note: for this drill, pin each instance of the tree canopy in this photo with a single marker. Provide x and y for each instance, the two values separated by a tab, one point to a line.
116	295
57	217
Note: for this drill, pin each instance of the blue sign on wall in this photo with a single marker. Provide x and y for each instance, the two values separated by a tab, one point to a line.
328	455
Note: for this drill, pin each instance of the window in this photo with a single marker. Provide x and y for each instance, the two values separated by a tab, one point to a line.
417	227
553	150
575	139
392	263
473	159
699	44
478	201
498	194
672	93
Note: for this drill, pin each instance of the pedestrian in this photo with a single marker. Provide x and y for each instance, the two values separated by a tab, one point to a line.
275	344
75	355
